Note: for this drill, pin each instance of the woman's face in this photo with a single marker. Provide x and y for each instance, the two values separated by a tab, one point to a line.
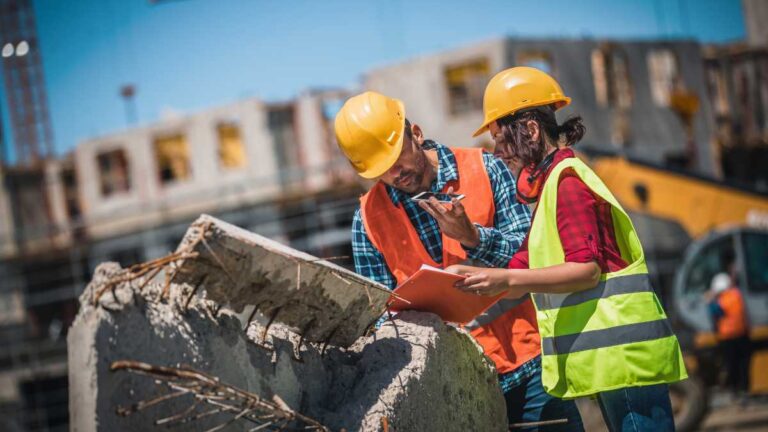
501	148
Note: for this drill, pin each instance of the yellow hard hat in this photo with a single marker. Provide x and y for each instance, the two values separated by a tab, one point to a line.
518	88
369	130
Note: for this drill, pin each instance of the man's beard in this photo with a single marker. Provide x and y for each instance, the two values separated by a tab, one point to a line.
414	183
416	176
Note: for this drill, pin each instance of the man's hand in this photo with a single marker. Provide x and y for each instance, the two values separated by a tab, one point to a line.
453	220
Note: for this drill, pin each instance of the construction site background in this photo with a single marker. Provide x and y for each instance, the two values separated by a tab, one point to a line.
274	168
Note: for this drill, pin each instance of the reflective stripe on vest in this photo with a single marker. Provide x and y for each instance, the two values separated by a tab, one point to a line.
495	311
612	336
594	339
607	288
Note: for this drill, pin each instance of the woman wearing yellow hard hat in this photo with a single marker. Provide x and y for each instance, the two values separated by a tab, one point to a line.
603	331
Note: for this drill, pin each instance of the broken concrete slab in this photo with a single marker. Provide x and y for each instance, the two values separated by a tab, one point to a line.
317	299
421	374
414	374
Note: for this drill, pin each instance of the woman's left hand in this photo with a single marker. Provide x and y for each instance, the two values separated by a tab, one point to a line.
482	281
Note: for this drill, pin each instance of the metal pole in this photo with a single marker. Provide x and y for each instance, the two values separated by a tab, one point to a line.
4	156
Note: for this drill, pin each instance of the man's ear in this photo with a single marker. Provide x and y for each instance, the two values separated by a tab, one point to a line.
533	130
418	134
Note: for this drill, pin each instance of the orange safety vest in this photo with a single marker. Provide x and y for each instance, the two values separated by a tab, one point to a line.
508	331
733	323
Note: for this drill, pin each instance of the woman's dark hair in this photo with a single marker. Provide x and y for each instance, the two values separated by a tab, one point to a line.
518	138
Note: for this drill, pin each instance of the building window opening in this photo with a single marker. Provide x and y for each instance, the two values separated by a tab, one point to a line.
172	157
114	175
466	84
231	148
664	73
71	199
281	123
30	207
44	403
718	91
331	107
610	74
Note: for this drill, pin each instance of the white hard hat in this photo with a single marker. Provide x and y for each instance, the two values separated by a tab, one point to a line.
720	283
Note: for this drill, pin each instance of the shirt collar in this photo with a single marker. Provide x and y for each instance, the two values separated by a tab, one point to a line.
562	153
447	171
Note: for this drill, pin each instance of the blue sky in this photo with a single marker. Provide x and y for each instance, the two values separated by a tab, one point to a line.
185	55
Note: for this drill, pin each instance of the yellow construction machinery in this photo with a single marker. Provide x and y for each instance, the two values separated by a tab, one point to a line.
688	224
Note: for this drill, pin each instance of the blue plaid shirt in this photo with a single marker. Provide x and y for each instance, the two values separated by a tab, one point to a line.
497	243
519	376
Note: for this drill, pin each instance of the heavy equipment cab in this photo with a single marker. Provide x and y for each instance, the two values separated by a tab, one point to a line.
707	257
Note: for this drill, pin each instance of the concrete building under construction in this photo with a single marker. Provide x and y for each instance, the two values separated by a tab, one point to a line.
671	103
627	93
273	168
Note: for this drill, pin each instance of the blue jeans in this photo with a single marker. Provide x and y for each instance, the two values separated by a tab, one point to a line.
528	402
637	409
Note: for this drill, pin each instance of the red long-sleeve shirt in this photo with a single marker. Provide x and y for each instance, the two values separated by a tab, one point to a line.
583	221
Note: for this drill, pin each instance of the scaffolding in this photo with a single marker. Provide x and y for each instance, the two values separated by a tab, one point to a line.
24	84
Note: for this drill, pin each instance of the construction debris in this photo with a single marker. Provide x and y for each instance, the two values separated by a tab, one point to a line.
180	325
320	300
207	391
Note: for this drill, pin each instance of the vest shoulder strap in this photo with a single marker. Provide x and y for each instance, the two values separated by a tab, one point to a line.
545	246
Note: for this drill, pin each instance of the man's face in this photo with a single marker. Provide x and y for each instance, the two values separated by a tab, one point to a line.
408	172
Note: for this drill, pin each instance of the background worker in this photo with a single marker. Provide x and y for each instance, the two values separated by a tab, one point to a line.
729	316
604	331
393	235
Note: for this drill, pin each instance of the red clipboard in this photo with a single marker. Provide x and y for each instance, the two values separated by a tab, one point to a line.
431	290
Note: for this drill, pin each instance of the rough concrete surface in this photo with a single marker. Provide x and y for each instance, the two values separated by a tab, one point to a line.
415	372
316	298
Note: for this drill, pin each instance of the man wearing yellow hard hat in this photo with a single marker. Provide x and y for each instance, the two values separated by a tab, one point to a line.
604	333
393	235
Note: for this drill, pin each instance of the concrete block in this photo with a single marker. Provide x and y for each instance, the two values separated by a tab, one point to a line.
318	299
416	372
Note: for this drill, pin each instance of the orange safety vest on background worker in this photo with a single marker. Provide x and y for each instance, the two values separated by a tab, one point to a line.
733	323
507	331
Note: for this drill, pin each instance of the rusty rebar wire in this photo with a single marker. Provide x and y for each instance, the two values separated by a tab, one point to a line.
219	261
240	405
136	271
537	424
380	288
154	267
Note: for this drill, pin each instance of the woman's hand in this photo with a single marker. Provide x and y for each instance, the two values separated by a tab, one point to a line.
558	279
462	270
484	281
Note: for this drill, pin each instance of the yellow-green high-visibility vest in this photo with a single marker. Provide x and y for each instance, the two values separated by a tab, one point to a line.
612	336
